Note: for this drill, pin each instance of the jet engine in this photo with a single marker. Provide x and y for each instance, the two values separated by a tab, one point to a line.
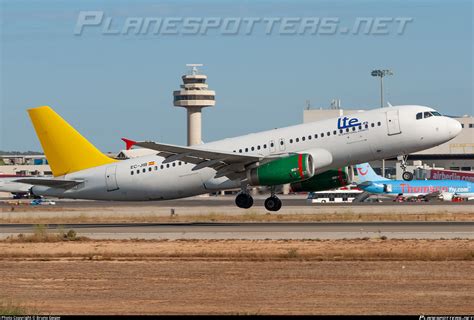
283	170
324	181
446	196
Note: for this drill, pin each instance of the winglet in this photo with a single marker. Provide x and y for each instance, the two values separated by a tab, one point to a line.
129	143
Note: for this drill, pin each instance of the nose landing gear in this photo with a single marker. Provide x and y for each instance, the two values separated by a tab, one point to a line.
407	175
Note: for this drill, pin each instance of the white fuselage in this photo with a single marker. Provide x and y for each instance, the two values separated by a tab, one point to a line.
375	134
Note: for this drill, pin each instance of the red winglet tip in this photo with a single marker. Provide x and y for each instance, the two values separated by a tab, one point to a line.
129	143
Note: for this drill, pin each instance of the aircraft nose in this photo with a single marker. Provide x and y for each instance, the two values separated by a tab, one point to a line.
454	128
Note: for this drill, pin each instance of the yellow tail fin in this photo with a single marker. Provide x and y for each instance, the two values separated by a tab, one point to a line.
65	149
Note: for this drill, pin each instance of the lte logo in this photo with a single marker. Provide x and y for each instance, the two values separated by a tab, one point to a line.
346	122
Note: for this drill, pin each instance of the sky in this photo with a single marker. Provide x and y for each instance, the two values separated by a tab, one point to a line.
112	86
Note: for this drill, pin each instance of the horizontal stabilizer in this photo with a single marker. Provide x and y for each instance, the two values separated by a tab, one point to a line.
53	183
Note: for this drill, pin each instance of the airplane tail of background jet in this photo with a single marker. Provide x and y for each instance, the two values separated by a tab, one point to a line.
66	149
366	173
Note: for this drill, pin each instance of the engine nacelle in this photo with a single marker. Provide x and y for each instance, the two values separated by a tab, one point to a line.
446	196
324	181
283	170
322	159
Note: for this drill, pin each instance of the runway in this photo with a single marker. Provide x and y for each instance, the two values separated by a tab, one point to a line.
229	201
342	230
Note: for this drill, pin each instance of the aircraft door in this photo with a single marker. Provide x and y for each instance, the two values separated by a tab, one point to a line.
393	122
387	188
111	178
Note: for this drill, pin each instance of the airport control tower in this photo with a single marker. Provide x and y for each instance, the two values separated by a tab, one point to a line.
194	95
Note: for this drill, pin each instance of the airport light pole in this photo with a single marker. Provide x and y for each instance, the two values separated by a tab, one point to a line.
381	74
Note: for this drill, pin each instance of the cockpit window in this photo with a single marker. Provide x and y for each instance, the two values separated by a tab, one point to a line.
437	114
419	115
427	114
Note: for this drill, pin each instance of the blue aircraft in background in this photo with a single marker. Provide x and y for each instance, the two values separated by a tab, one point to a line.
371	182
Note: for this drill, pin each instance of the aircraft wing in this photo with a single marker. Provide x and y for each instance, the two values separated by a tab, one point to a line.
229	164
54	183
432	195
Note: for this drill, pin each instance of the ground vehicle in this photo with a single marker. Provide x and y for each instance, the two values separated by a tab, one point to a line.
334	196
42	202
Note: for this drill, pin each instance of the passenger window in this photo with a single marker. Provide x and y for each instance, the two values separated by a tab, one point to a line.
167	165
246	149
161	167
315	136
366	126
347	129
156	168
149	169
303	138
379	124
179	163
272	144
252	148
353	128
322	135
174	164
419	116
281	142
291	140
265	146
258	147
427	115
329	133
360	127
138	171
131	173
144	170
240	150
372	125
297	139
341	131
309	137
334	132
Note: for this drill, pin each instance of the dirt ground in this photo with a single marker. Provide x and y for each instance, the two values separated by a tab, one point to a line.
240	277
240	287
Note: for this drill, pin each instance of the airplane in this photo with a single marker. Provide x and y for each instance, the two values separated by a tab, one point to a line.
445	190
270	158
18	189
9	184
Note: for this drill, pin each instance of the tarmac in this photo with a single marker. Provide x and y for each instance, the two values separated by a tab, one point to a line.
259	231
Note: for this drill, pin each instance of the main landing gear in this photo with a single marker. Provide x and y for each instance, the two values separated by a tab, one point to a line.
244	200
407	175
273	203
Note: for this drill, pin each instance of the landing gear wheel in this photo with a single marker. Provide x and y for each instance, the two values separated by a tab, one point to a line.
273	203
244	200
407	176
